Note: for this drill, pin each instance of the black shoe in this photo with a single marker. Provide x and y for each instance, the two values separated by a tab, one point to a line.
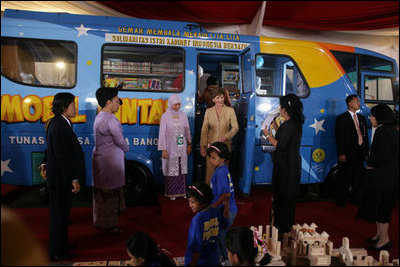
68	256
373	241
340	203
387	246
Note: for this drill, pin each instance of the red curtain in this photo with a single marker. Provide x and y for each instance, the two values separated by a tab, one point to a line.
232	12
310	15
332	15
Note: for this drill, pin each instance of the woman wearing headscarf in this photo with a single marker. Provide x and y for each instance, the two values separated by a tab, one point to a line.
287	162
174	140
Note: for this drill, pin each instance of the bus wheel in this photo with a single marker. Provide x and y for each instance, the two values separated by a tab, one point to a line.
331	180
139	185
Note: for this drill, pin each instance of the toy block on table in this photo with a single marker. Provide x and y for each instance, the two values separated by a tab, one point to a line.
179	261
351	257
305	242
267	242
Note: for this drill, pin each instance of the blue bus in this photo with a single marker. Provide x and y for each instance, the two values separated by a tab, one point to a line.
43	54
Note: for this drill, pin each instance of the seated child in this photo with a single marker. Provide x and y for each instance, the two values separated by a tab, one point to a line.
240	246
202	246
144	251
222	188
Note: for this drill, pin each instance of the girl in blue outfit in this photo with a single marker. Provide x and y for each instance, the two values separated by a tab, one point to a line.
202	244
222	188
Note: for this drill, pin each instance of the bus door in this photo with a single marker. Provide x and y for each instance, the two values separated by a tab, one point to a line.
224	67
245	111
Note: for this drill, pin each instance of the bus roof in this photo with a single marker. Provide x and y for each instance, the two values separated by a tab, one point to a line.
66	18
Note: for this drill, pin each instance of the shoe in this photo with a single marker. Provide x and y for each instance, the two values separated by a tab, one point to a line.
68	256
340	203
387	246
373	241
113	230
172	198
116	230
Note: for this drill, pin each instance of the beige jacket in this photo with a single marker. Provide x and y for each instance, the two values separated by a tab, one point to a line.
214	127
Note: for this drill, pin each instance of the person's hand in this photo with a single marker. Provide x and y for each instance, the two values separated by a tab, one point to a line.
43	171
164	154
265	131
274	125
342	158
189	149
77	187
369	168
203	151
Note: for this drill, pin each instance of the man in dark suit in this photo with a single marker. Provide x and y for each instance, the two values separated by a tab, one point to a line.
65	167
352	147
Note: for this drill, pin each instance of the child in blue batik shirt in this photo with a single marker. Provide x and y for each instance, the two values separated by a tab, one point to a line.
222	188
202	244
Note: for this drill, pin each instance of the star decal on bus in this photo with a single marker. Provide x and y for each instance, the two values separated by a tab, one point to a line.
82	30
317	125
4	167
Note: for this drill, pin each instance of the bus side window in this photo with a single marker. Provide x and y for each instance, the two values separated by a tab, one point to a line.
378	88
40	62
143	68
278	75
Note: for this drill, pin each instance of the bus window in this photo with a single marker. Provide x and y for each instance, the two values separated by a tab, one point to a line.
378	89
277	76
374	63
39	62
141	68
349	63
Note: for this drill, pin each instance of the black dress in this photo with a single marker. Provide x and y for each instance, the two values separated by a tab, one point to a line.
382	182
286	175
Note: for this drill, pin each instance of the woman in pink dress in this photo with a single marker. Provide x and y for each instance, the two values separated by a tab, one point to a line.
174	140
108	162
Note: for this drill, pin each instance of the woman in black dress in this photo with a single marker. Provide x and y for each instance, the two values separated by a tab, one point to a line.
382	176
287	162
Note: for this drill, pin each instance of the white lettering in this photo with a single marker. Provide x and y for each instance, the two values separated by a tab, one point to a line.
34	141
87	141
12	139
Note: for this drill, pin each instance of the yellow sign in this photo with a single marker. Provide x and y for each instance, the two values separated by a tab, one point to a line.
318	155
33	108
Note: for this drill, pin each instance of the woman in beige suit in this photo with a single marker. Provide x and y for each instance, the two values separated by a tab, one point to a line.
220	124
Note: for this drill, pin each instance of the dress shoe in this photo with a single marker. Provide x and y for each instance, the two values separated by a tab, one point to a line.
340	203
116	230
387	246
68	256
373	241
113	230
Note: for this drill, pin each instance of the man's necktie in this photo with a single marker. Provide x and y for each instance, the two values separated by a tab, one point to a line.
360	139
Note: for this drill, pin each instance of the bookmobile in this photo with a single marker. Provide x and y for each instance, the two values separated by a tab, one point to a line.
43	54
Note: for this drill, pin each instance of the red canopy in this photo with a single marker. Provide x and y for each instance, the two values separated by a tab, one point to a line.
310	15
